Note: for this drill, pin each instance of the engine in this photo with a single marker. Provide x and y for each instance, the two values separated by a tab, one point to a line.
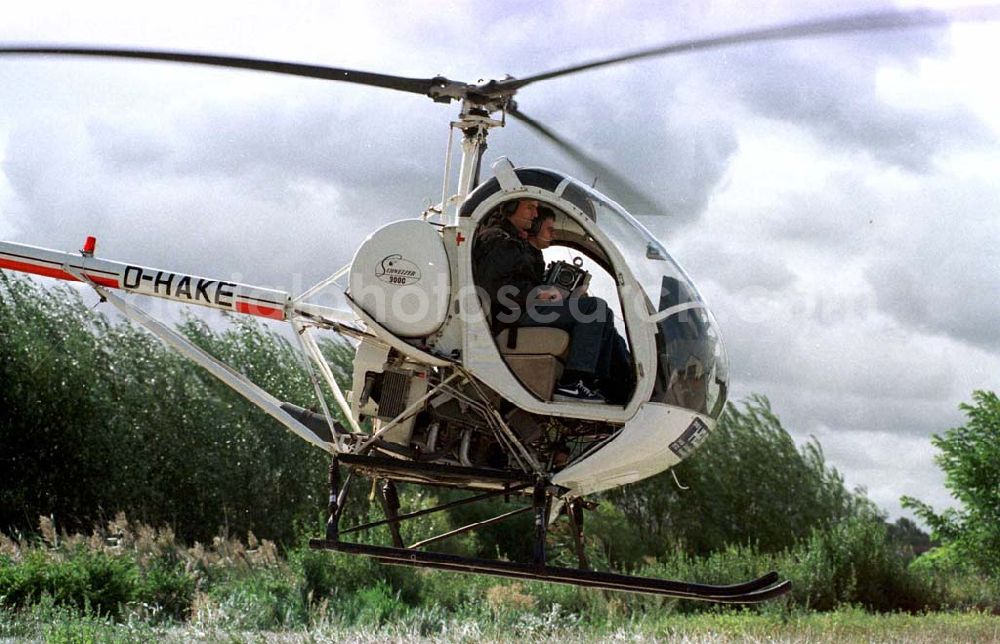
465	424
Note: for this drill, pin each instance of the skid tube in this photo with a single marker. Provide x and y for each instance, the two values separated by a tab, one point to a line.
766	587
757	590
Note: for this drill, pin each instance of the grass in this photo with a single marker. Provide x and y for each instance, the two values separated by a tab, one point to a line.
57	624
129	582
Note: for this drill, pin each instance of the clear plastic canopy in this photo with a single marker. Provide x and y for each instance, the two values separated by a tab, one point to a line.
693	369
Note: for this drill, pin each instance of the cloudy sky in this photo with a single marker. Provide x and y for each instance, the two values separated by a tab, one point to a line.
836	200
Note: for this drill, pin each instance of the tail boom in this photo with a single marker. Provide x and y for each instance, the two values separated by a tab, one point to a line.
189	289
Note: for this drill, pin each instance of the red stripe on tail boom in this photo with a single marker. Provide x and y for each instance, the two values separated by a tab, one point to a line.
261	311
46	271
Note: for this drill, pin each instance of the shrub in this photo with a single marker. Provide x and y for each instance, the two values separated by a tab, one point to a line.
378	604
970	458
167	588
856	563
956	581
91	581
261	600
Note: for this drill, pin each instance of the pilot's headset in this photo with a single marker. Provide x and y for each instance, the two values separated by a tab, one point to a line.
498	214
505	210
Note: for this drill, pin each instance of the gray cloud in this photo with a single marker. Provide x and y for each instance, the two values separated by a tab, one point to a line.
943	275
163	187
857	335
736	268
954	295
841	214
831	89
663	144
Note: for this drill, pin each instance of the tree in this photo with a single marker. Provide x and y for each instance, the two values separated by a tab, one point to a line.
97	416
910	540
749	484
970	458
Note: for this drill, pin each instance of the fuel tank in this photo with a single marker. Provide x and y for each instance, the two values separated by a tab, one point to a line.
400	276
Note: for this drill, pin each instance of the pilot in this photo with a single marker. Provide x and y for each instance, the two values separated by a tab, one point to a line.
615	380
510	270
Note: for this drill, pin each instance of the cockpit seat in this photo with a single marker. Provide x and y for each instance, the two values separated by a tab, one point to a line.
535	340
536	356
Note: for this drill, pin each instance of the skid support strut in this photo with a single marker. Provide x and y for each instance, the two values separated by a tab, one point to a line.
390	505
574	511
539	501
333	505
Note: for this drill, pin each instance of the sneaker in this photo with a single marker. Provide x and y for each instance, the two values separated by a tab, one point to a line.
577	392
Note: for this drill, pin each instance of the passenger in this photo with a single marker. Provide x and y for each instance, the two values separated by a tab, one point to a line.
510	270
616	382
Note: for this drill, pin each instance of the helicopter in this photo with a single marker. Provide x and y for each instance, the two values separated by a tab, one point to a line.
437	397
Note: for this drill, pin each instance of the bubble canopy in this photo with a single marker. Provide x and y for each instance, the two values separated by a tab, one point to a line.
692	366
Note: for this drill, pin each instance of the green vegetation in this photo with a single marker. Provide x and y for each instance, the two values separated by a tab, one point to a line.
970	458
99	417
98	420
849	625
749	485
128	581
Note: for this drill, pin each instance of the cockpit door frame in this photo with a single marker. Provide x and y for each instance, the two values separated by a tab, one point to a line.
479	351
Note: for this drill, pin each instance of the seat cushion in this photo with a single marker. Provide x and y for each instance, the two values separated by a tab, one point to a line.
538	373
536	340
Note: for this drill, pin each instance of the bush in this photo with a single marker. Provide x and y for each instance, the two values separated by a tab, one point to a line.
324	575
970	458
378	604
263	600
87	581
166	588
855	563
956	581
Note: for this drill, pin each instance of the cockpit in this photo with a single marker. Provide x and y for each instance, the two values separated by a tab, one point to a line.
677	354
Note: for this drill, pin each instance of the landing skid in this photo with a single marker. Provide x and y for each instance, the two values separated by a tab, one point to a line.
757	590
541	495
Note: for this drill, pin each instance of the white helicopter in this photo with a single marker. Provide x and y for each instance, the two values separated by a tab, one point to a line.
437	398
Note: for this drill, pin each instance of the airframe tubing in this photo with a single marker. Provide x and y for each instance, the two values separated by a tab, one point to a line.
471	526
319	286
235	380
311	371
438	508
312	349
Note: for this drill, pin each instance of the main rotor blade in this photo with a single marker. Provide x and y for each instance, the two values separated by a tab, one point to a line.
881	21
426	86
609	181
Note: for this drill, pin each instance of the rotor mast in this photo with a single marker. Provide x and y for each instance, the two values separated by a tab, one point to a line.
474	121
